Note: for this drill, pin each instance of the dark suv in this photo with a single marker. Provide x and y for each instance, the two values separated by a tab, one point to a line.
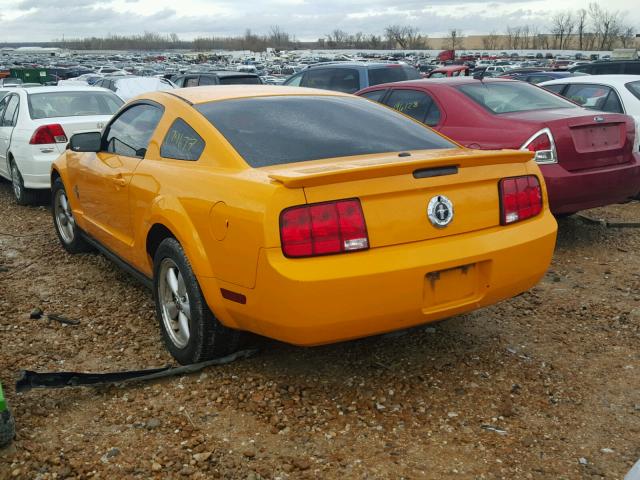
614	67
349	77
222	77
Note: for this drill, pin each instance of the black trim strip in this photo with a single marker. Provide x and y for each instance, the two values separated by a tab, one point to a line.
134	272
181	98
435	172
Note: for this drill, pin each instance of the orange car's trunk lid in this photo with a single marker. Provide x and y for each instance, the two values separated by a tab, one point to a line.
395	191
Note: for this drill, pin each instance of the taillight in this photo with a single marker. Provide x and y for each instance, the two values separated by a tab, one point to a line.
323	229
542	144
520	198
53	133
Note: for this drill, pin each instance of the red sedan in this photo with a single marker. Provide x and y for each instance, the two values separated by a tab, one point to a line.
586	157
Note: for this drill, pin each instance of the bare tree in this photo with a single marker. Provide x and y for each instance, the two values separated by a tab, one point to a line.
400	36
581	27
491	41
627	36
454	40
607	26
561	28
277	37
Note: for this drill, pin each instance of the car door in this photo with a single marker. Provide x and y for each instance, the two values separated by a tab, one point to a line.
4	169
7	124
102	183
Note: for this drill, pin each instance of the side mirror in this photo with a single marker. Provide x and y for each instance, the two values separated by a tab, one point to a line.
86	142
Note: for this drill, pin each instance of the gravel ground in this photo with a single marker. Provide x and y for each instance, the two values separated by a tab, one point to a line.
543	386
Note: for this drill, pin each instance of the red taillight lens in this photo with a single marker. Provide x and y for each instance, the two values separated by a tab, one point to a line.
541	142
323	228
520	198
542	145
53	133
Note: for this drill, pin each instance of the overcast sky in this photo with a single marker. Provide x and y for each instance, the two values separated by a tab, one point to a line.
43	20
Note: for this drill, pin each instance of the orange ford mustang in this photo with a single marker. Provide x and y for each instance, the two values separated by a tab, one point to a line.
304	215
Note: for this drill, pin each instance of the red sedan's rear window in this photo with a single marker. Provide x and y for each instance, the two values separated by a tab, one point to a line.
509	97
287	129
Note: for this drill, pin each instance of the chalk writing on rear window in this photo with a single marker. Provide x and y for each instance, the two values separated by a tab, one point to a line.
182	142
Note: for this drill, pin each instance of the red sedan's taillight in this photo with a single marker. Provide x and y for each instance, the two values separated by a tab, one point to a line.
543	146
45	134
520	198
323	229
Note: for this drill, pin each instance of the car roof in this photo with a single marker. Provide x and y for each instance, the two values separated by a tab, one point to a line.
197	95
423	82
451	68
603	79
355	64
70	88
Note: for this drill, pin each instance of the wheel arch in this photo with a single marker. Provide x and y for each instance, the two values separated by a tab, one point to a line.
169	219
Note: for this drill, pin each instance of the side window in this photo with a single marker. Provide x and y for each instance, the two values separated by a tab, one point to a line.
179	82
3	106
612	104
607	68
410	102
191	82
207	80
589	96
556	88
319	78
376	95
182	142
129	134
433	115
294	81
345	80
632	68
8	119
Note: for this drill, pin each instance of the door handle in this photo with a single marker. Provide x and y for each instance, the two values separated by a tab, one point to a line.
118	180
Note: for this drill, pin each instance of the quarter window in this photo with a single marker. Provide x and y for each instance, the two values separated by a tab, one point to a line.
8	119
129	134
294	81
555	88
191	82
182	142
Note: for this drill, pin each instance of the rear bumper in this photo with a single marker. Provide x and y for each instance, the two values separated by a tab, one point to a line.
570	192
329	299
35	166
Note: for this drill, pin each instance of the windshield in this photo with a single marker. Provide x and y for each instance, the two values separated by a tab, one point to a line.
286	129
634	87
509	97
72	104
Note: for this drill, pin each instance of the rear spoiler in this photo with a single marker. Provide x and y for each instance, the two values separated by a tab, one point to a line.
387	166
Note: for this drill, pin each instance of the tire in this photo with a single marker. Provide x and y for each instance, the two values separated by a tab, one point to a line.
7	428
67	230
189	329
24	196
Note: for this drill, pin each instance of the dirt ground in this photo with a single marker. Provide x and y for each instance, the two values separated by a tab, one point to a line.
543	386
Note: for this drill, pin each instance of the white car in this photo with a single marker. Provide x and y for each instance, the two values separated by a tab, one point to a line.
606	93
35	125
128	87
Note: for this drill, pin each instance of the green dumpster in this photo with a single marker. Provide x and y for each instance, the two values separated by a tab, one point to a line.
31	75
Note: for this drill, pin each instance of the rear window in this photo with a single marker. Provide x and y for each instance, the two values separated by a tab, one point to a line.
512	97
634	87
72	104
240	81
287	129
392	73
